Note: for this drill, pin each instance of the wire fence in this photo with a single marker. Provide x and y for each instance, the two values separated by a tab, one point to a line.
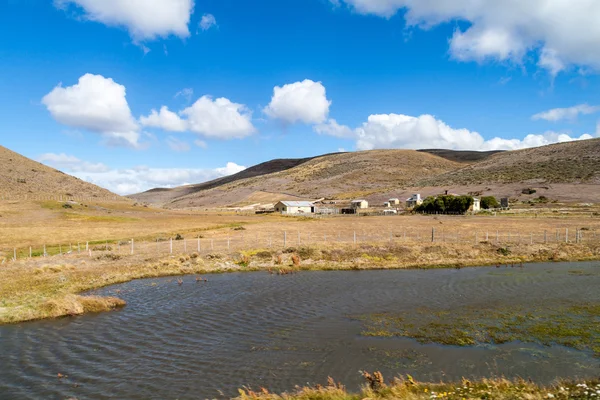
241	241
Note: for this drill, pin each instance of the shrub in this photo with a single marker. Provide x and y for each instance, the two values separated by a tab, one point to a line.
528	191
445	204
239	228
488	202
178	237
67	205
505	251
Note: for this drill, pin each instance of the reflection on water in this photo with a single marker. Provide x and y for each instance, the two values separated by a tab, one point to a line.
205	340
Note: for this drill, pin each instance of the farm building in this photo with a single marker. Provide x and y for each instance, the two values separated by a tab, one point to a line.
394	201
504	202
360	204
387	204
295	207
414	200
476	204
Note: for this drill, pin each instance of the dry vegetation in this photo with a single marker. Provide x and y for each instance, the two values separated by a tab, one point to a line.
407	388
20	176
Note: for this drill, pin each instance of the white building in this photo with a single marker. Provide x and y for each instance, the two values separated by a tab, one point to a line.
360	204
394	201
476	204
387	204
295	207
414	200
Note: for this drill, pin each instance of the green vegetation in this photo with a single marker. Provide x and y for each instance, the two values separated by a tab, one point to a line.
576	326
488	202
446	204
408	388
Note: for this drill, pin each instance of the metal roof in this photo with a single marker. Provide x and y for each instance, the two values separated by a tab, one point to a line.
297	203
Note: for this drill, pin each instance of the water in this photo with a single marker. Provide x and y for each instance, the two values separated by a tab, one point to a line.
205	340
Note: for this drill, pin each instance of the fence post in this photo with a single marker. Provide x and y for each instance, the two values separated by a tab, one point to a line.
212	244
298	237
284	239
15	254
45	254
566	235
60	249
432	235
487	236
531	238
78	248
355	238
497	237
29	251
228	243
198	244
171	245
87	246
545	237
131	246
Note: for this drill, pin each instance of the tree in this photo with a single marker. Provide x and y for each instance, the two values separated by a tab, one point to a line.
446	203
488	202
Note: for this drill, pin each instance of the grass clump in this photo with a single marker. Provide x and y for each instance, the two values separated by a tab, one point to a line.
405	387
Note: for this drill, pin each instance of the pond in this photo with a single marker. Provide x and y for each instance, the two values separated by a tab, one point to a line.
207	339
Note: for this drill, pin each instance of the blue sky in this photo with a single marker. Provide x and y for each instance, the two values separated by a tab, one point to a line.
241	82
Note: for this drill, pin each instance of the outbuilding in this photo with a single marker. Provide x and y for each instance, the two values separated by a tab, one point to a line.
394	201
414	200
476	204
295	207
360	204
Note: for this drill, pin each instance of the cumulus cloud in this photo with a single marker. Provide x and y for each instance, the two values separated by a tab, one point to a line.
383	131
136	179
207	21
219	119
561	32
97	104
63	161
304	101
144	19
568	113
177	144
164	119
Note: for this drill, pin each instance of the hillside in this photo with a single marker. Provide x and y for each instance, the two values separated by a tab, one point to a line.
462	156
573	163
336	176
21	176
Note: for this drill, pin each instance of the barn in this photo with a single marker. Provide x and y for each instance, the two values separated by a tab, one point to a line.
295	207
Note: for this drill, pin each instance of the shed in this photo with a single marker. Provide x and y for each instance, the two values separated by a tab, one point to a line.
387	204
414	200
476	204
394	201
295	207
360	204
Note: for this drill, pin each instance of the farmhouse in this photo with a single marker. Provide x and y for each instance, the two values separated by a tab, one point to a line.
360	204
414	200
295	207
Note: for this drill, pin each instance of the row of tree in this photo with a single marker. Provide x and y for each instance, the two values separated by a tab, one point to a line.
454	204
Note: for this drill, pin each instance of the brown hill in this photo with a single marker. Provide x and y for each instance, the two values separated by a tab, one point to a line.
573	162
21	176
335	176
462	156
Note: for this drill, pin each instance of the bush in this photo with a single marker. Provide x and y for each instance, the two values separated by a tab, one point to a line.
67	205
488	202
178	237
446	204
528	191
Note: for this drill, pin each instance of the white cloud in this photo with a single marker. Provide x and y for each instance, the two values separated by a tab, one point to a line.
144	19
304	101
186	93
561	32
219	118
177	144
97	104
63	161
207	21
164	119
136	179
384	131
568	113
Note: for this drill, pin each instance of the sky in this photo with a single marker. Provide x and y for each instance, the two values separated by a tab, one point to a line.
136	94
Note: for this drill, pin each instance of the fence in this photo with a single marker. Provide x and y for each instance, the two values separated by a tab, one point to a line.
285	239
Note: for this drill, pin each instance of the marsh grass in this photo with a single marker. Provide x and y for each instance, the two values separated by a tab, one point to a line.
407	388
576	326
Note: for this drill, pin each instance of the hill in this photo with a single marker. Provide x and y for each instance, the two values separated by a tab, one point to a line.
335	176
462	156
573	163
21	176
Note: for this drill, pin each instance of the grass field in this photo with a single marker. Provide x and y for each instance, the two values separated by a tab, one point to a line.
42	287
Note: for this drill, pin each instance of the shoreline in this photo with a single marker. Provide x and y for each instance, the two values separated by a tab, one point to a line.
41	290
